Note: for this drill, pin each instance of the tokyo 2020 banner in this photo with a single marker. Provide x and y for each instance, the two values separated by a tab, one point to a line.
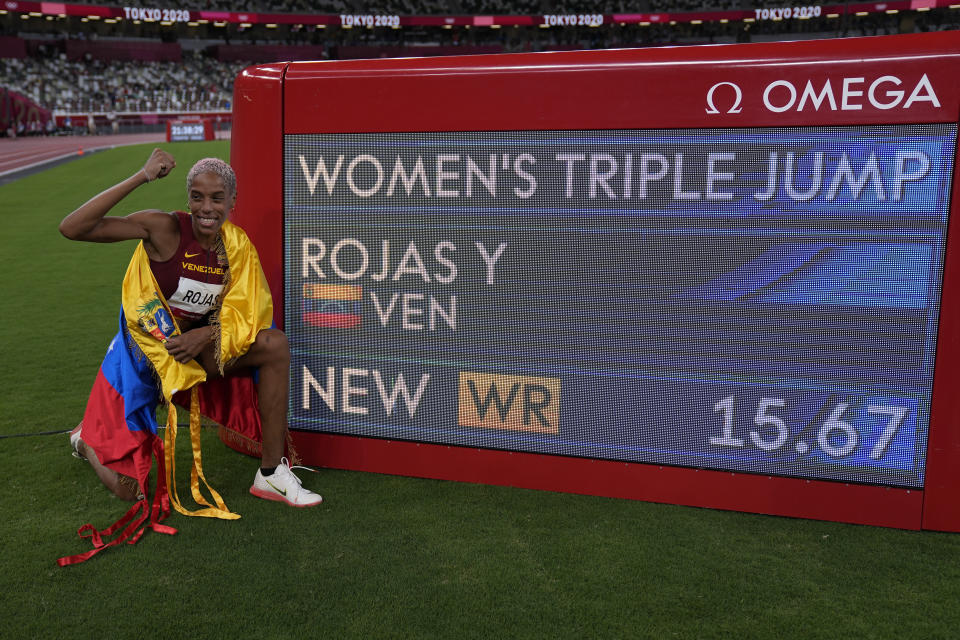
759	300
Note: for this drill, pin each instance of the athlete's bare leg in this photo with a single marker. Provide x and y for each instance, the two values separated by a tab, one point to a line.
270	352
120	485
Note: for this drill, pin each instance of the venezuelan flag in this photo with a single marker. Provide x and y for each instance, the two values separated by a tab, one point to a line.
120	425
120	419
332	306
138	373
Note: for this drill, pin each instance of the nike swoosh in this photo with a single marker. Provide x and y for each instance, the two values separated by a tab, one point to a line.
282	492
190	255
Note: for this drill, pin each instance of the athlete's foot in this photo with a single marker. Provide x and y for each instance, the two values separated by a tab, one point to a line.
124	487
283	486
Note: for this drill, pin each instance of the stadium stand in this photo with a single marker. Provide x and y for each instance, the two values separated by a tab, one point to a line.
195	83
121	71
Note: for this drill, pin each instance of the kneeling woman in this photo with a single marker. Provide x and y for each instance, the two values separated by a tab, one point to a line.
205	271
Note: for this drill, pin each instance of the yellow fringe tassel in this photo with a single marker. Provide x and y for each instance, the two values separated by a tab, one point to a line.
196	473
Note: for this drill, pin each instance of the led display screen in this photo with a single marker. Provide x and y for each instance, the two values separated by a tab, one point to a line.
753	300
187	132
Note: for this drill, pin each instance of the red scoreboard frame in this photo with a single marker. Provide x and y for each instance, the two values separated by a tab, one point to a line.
681	88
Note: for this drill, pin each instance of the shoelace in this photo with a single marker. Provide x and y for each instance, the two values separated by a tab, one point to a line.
286	463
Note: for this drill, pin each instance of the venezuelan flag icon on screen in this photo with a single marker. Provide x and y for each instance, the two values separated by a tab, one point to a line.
331	306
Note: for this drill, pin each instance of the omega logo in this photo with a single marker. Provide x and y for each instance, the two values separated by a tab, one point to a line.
711	107
836	94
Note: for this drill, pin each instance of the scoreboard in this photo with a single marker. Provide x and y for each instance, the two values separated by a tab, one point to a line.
598	293
190	130
717	276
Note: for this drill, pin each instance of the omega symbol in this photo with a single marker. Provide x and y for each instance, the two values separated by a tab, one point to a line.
711	108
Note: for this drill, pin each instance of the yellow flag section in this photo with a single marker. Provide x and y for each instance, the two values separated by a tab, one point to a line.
246	309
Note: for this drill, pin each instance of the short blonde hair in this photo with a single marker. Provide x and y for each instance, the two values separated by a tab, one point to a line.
217	167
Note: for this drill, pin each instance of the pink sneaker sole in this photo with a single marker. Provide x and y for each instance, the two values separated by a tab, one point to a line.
269	495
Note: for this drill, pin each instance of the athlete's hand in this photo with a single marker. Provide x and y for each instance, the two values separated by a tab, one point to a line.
189	345
159	164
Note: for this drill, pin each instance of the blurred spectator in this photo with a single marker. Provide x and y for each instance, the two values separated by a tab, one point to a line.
200	83
196	83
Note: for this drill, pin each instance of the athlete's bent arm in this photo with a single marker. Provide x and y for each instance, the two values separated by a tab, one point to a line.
88	223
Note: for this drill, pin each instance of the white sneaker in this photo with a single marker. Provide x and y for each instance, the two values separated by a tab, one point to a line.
75	442
284	486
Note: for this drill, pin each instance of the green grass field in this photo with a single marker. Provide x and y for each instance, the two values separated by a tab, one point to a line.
384	556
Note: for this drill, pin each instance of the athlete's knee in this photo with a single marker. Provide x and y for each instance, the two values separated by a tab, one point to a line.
274	344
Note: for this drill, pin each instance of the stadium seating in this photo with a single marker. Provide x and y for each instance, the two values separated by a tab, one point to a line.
78	66
195	83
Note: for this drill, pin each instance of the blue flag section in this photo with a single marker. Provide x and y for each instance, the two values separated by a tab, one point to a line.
755	300
121	410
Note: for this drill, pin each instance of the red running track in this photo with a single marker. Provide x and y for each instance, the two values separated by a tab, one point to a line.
17	154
